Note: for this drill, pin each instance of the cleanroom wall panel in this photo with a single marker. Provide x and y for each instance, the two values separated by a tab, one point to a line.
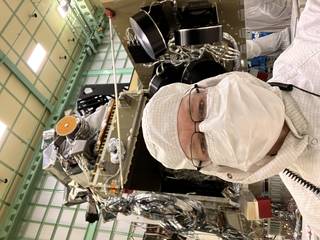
26	125
13	151
45	36
67	40
25	11
20	110
22	42
50	76
12	30
4	73
5	14
10	108
54	16
14	85
59	57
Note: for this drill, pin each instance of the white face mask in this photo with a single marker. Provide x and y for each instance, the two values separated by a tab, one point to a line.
244	120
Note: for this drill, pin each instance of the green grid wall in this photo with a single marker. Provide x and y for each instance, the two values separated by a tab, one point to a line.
46	217
20	110
99	69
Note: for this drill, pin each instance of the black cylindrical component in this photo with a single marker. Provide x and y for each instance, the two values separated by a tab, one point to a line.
196	36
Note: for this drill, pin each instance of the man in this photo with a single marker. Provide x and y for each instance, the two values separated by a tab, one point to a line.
268	16
241	129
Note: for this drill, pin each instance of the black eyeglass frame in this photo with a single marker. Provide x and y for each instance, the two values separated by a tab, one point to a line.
199	166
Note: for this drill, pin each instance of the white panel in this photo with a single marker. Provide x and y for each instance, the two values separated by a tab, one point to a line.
99	56
26	125
91	80
22	42
140	230
57	57
10	108
13	151
24	12
106	226
103	236
44	197
120	63
50	76
28	214
44	5
12	30
35	196
39	184
5	14
123	226
46	232
13	4
126	79
50	182
129	64
122	54
4	72
103	79
43	90
107	64
30	230
60	187
28	73
120	237
35	106
17	88
118	78
52	215
84	206
45	36
54	19
38	213
66	216
77	234
104	45
57	198
96	65
61	233
81	219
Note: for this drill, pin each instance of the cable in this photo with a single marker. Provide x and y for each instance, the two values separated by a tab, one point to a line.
301	89
289	88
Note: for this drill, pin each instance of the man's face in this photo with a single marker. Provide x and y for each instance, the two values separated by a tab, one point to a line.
242	120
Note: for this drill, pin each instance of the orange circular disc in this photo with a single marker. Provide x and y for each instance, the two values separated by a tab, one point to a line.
66	125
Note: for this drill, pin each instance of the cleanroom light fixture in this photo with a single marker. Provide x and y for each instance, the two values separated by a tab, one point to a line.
3	129
37	57
62	12
64	7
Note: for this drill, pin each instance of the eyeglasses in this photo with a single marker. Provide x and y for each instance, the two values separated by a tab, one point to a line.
198	112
